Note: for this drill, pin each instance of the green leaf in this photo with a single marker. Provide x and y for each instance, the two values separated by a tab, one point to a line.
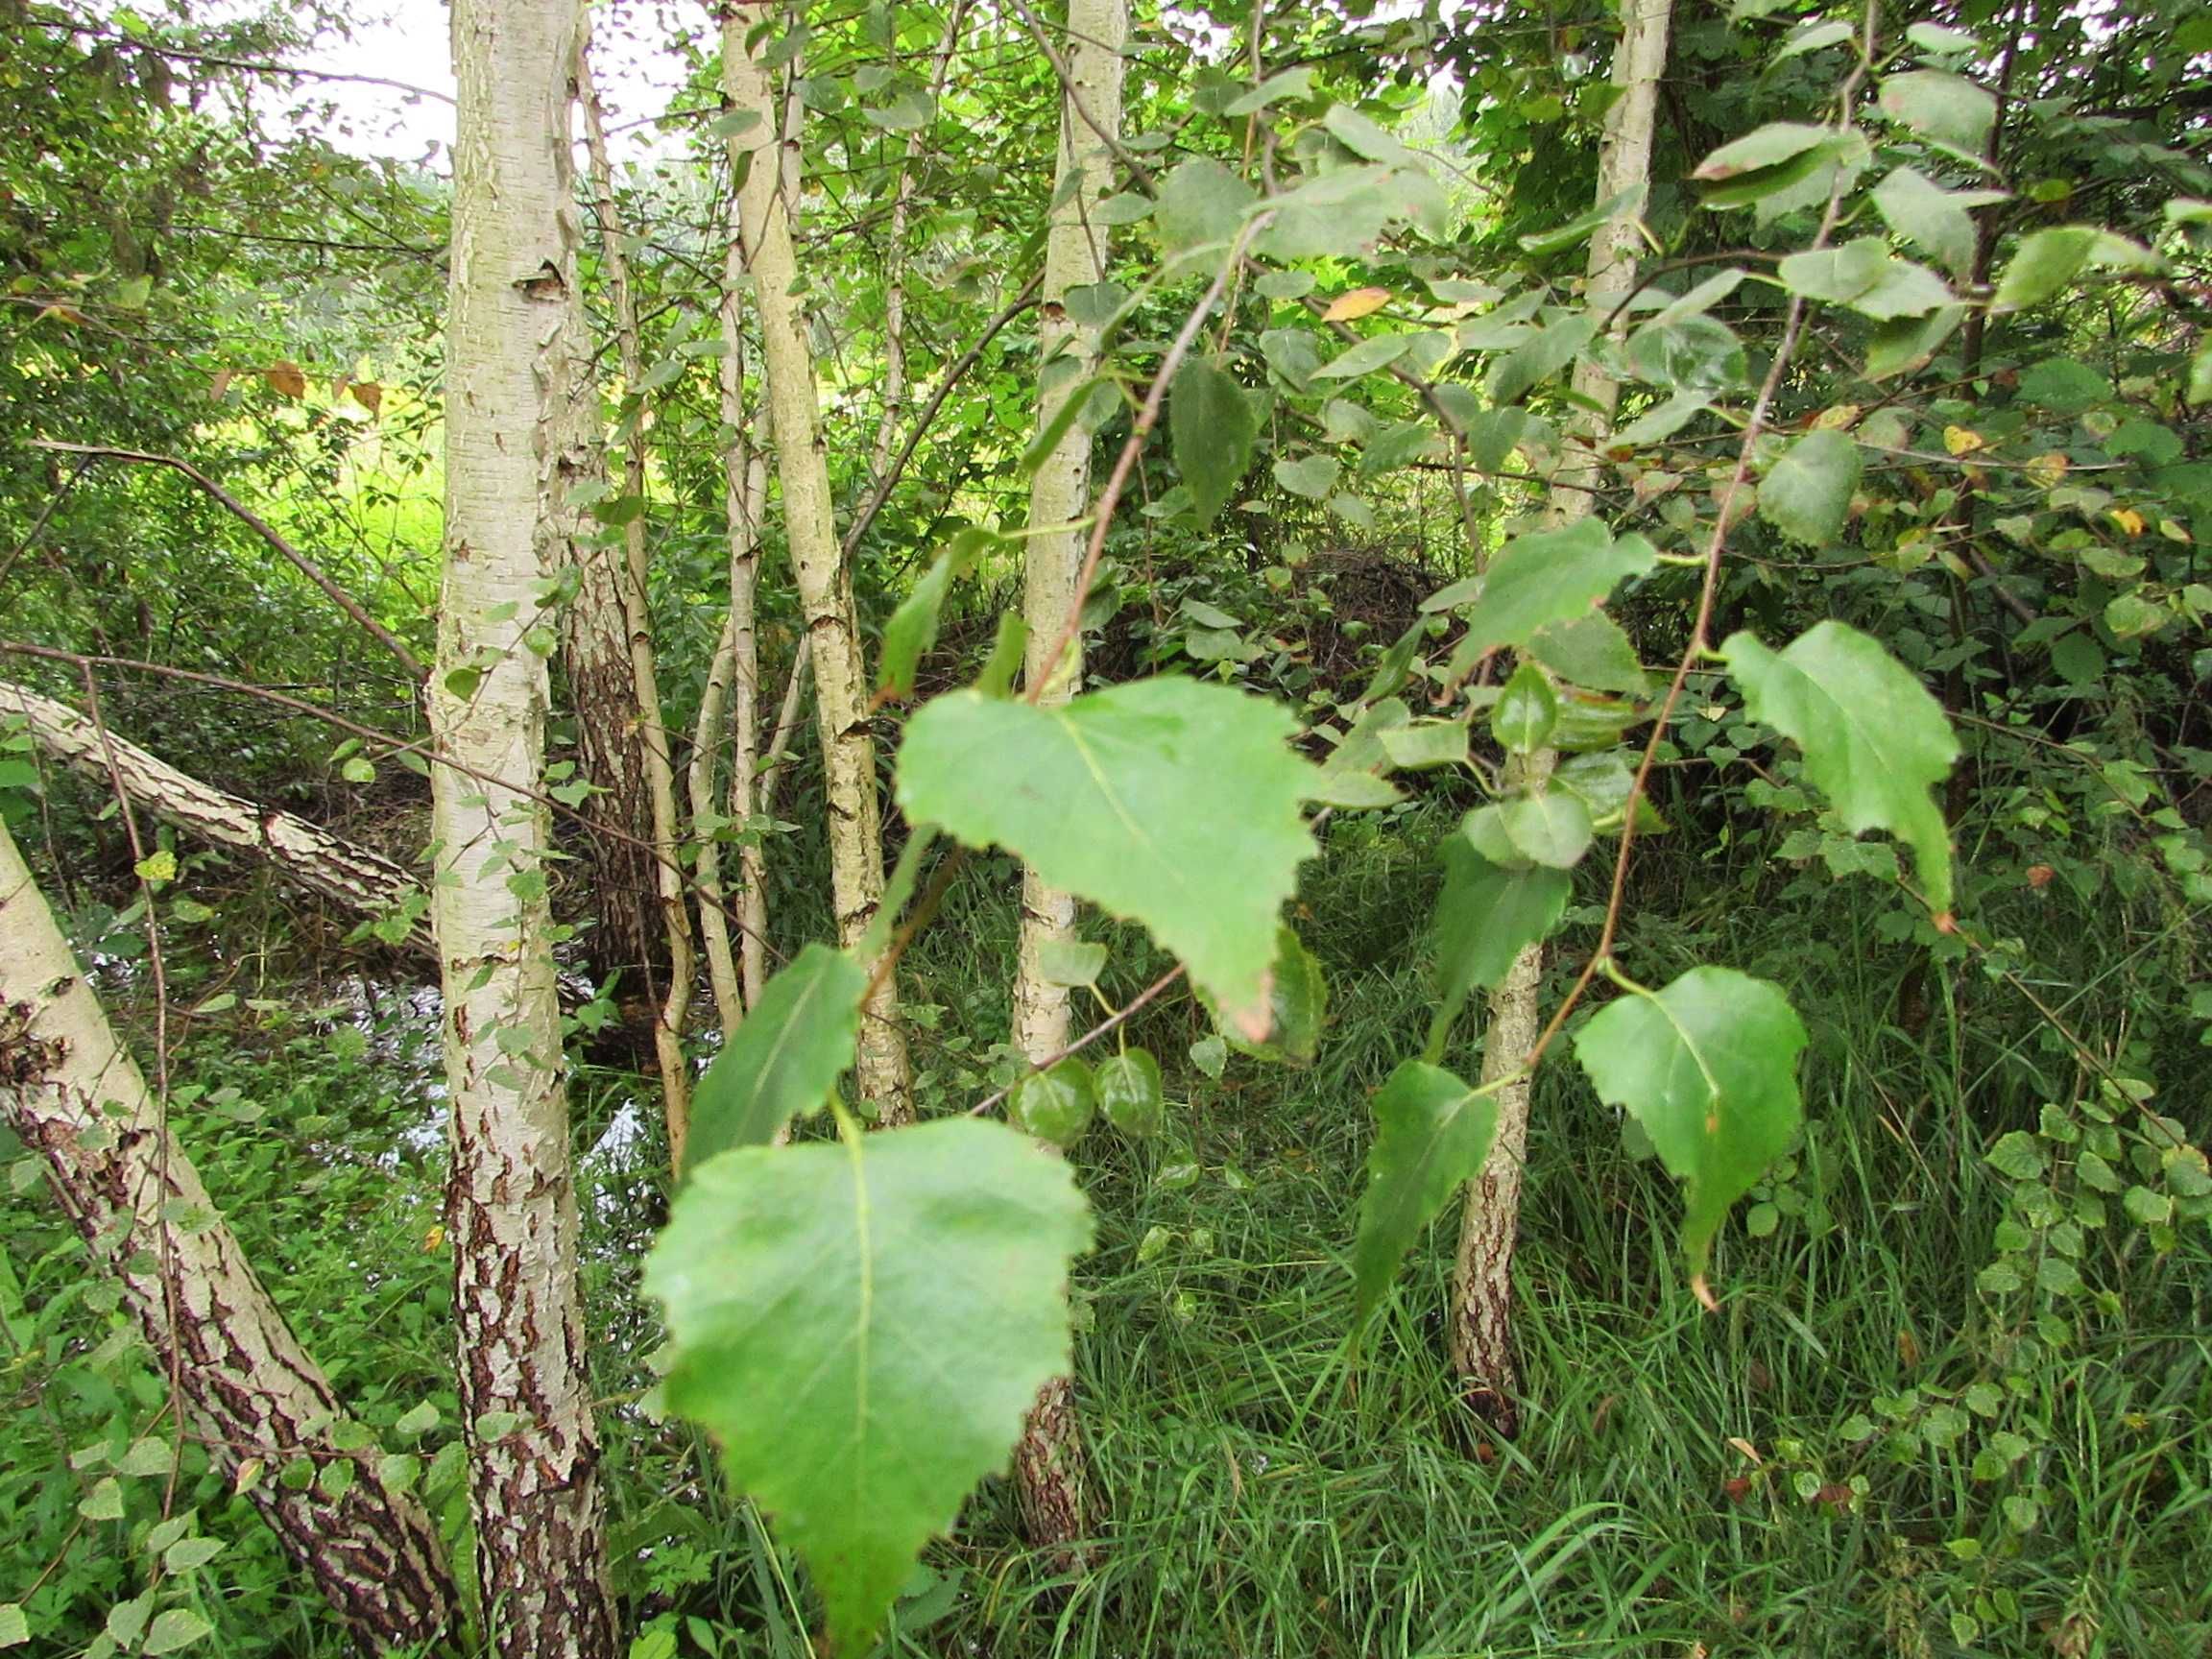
1057	1104
1069	961
863	1327
188	1553
1945	109
1590	650
1932	218
1417	745
1863	276
1543	578
177	1627
1211	423
1297	1004
1167	801
1527	710
1129	1094
1535	361
1807	493
1365	357
1487	915
2018	1155
1431	1135
1875	743
1766	147
1578	229
784	1058
1552	830
15	1627
1200	203
104	1503
912	630
1709	1068
2044	263
1312	476
1692	353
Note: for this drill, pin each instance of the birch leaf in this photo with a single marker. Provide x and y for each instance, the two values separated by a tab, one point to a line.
1164	801
1129	1093
1708	1067
862	1326
1489	914
785	1059
1539	578
1875	743
1211	423
1807	493
1432	1135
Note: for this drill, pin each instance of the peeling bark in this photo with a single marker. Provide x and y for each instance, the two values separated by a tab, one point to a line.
1481	1309
318	860
80	1102
824	578
534	1491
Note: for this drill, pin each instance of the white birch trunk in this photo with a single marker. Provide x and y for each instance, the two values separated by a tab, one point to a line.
1481	1311
79	1103
1074	257
825	581
1048	1463
511	1205
315	859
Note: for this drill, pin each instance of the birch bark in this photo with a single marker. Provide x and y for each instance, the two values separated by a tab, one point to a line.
1481	1311
79	1101
511	1204
1050	1473
825	578
315	859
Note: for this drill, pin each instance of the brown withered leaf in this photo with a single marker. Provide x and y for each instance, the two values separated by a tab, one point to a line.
367	394
1360	302
285	378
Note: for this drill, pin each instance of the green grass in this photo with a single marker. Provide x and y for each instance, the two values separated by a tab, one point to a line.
1272	1491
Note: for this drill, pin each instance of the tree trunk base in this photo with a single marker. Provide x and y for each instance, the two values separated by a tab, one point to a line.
1050	1481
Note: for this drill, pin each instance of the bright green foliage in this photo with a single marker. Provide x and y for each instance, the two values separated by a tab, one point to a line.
1487	915
1211	421
1527	710
1807	493
1875	743
1057	1104
1297	1004
1552	828
1432	1135
787	1056
913	627
1168	801
1591	651
1708	1069
1130	1093
1547	577
861	1327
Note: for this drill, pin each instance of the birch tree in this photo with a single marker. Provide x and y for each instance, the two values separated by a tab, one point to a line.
78	1100
318	859
511	1205
631	580
1049	1460
825	578
1481	1321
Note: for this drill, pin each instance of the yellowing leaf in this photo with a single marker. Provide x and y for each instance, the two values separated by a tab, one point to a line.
1358	303
2128	519
156	867
1962	440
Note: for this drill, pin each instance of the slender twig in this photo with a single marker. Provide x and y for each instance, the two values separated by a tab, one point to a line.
262	528
1087	1038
